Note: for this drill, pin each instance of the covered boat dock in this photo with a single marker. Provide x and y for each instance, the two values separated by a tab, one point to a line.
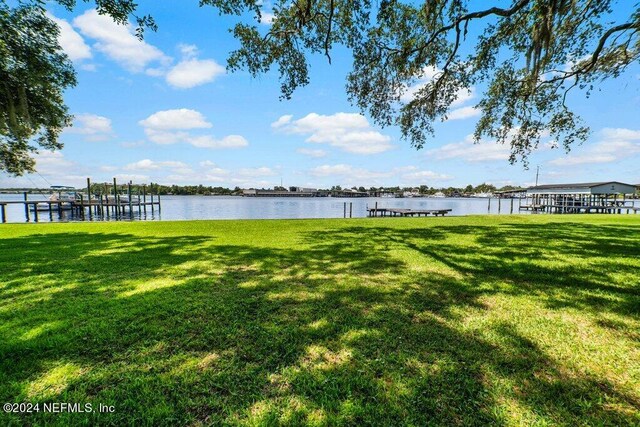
591	197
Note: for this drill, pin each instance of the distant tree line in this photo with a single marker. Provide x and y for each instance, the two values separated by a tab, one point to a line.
422	189
154	188
203	190
429	190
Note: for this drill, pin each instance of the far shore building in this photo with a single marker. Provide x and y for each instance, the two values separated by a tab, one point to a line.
292	192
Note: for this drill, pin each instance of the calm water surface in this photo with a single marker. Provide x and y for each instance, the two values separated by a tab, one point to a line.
232	207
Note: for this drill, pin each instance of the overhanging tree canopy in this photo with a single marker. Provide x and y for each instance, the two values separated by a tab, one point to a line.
528	54
34	73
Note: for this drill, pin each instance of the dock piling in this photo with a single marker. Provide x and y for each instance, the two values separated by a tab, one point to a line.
144	197
116	204
26	206
81	207
89	198
129	196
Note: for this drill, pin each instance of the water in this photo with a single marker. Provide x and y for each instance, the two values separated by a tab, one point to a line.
233	207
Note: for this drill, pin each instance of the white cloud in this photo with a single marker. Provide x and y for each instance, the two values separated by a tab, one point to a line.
615	144
173	126
194	72
164	137
407	175
53	169
94	127
148	164
282	121
132	144
620	134
348	171
133	177
257	172
410	92
570	65
211	169
266	17
463	113
207	141
52	162
311	153
584	159
182	118
349	132
118	42
188	50
190	71
472	152
210	172
88	67
71	42
427	75
422	175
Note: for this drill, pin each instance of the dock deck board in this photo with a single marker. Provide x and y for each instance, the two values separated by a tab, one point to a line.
382	212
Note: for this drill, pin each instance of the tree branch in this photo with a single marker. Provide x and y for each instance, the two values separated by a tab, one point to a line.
326	40
596	53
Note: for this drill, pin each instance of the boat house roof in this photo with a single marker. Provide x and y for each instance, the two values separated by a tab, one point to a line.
602	188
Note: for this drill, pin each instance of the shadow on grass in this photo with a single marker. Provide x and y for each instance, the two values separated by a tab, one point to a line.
336	329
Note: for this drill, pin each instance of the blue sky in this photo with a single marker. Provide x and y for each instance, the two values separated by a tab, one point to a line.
165	110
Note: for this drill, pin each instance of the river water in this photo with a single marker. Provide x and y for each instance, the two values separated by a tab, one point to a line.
233	207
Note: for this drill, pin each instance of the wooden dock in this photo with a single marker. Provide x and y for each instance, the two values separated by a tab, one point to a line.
382	212
97	206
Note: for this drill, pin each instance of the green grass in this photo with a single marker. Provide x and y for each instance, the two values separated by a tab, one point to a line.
526	320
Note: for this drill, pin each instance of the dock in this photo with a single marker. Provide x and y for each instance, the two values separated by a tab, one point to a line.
102	206
582	198
382	212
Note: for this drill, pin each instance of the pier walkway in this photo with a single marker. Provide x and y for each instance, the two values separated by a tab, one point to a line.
382	212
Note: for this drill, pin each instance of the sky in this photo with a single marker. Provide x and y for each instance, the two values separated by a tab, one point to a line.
166	110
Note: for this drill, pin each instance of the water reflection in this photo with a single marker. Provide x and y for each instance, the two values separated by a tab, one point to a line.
229	207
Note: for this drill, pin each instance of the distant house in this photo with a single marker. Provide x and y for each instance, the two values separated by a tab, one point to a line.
299	192
302	190
349	192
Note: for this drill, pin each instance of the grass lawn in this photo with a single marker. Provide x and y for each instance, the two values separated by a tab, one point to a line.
523	320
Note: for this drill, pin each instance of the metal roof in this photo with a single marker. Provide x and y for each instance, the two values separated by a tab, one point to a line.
578	185
602	188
